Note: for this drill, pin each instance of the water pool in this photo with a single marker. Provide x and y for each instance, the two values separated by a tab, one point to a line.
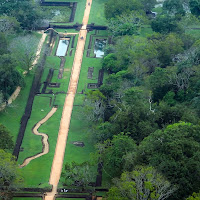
99	47
62	47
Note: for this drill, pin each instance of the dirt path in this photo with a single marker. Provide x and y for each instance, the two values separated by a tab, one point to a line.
39	49
67	109
45	143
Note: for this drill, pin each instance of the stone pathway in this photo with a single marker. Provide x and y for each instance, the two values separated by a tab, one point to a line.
45	142
57	164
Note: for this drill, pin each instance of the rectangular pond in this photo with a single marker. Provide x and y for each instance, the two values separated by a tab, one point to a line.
99	47
62	47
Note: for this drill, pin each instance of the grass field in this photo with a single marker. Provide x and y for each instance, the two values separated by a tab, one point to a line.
97	13
32	144
37	172
78	128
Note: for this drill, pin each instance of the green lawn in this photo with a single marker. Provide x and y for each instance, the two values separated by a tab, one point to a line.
11	115
97	13
32	144
37	172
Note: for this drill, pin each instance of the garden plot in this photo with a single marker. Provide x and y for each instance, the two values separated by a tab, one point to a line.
57	13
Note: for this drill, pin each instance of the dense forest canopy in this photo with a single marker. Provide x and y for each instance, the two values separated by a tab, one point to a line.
151	95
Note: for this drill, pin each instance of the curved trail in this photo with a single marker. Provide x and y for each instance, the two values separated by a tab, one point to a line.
45	143
68	106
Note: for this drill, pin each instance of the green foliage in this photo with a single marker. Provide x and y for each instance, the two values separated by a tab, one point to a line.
174	7
126	24
195	196
6	142
114	8
3	43
148	5
174	151
165	24
113	153
10	178
159	83
167	47
79	174
141	183
109	62
195	7
57	13
9	25
9	76
27	13
94	106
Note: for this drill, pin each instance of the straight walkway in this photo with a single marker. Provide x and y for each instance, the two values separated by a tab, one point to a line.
57	164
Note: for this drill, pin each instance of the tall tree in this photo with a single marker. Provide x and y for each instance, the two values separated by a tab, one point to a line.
143	183
6	142
10	78
195	7
126	24
24	50
113	152
114	8
10	178
27	13
174	152
79	174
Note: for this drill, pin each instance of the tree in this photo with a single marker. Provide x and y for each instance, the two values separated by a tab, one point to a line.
9	25
195	7
113	153
109	62
174	151
3	42
27	13
174	8
94	106
143	183
165	24
167	46
79	174
159	83
148	5
135	51
115	8
126	24
24	50
195	196
6	142
10	78
10	178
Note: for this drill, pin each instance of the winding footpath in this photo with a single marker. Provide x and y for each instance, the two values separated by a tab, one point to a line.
45	143
57	164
